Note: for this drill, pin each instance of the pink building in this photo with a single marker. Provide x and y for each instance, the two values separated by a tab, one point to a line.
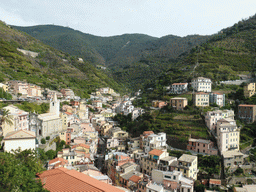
87	127
97	175
202	146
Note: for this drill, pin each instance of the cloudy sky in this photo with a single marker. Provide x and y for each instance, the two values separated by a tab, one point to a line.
115	17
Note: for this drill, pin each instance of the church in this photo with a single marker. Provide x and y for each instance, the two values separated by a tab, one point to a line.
47	124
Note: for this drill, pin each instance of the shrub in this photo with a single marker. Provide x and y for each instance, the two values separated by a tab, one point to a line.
43	141
48	138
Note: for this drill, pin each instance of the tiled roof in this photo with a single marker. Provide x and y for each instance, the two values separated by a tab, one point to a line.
62	179
155	152
81	145
215	181
20	134
68	113
59	161
243	105
148	132
135	178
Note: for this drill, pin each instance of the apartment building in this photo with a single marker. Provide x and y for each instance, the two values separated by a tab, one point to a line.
68	93
179	88
173	181
249	90
154	141
228	135
247	113
178	103
217	98
202	146
202	84
152	160
201	99
233	159
212	117
24	88
187	164
158	104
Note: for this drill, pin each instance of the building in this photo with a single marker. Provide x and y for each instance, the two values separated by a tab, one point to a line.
178	103
179	88
4	87
212	117
25	89
228	135
187	164
22	139
19	118
232	159
245	188
93	172
48	123
62	179
158	104
56	163
202	146
247	113
201	99
152	160
217	98
137	112
173	181
202	84
154	141
249	90
65	136
68	93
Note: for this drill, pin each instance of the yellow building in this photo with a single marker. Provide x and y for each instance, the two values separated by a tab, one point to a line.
64	117
110	91
188	165
201	99
249	90
5	87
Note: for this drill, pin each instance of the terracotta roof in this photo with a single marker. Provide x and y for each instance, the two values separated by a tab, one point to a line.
148	132
62	179
69	113
59	161
244	105
135	178
202	93
155	152
215	181
81	145
217	93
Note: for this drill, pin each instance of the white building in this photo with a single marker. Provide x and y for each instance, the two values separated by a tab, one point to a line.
19	139
228	135
202	84
179	88
136	113
154	141
173	180
217	98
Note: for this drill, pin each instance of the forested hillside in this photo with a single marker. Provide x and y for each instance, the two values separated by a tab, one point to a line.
133	59
224	56
51	68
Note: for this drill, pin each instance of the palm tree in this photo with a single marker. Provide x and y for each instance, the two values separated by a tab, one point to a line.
5	118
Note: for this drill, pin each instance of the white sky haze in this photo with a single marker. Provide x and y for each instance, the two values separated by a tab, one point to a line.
115	17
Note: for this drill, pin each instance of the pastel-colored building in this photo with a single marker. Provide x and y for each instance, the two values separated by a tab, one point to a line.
65	136
22	139
179	88
57	163
217	98
247	113
202	146
158	104
4	87
178	103
249	90
201	99
202	84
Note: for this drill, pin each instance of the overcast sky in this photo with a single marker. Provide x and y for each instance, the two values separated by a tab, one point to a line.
115	17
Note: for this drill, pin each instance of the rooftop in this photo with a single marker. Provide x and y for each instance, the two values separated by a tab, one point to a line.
20	134
228	154
62	179
156	152
187	158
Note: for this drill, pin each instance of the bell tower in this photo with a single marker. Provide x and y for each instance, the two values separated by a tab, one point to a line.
55	105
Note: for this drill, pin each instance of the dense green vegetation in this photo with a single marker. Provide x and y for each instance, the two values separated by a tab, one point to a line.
177	125
18	171
34	107
133	59
5	95
50	69
248	135
209	164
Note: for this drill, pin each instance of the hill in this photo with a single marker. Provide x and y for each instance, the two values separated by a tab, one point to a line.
133	59
51	68
225	56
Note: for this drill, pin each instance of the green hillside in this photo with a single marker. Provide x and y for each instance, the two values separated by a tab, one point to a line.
51	68
224	56
133	59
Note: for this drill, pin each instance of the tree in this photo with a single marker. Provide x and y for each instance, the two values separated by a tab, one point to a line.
18	171
43	141
6	118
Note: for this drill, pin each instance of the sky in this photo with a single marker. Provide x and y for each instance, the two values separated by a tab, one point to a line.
116	17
